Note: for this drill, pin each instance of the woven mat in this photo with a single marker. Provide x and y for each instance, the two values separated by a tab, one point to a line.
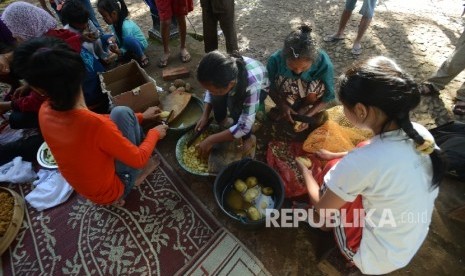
161	229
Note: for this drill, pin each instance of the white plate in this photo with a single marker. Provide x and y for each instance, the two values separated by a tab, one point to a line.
41	157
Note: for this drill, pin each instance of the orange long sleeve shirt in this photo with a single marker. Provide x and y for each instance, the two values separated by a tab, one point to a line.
85	146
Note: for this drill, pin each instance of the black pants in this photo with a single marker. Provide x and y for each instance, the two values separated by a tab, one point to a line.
214	11
221	105
26	148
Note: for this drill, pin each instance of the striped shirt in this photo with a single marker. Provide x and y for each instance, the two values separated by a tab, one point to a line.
257	78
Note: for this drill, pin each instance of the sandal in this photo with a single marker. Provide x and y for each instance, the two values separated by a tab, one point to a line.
356	50
144	61
427	89
459	108
163	61
333	38
186	57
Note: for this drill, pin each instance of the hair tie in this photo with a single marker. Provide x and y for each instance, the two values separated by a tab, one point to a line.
293	53
427	147
44	50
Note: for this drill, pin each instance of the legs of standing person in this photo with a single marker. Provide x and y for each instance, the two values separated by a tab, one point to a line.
451	67
127	123
367	12
210	25
184	54
227	24
345	16
92	17
447	72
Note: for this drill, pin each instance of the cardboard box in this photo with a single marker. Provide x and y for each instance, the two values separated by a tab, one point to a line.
129	85
173	73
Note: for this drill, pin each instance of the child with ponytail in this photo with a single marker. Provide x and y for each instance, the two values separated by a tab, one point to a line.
388	185
130	41
301	80
234	84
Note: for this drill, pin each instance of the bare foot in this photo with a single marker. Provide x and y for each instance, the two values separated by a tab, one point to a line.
151	165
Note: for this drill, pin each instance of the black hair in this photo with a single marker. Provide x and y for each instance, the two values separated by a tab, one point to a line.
50	64
380	82
73	12
219	70
121	9
299	44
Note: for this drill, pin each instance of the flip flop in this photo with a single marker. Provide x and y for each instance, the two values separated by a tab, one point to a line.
144	62
356	51
459	108
162	63
185	58
333	38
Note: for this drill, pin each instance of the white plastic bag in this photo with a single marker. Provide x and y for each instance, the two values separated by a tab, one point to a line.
51	189
17	171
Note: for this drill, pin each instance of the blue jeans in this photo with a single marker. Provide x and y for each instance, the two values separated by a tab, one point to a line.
129	126
133	47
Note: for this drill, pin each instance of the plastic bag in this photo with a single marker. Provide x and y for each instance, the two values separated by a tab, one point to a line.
17	171
281	157
51	189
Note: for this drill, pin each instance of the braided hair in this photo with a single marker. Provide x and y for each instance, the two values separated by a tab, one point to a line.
299	44
381	83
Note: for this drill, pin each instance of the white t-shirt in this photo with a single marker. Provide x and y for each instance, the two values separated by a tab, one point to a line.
394	180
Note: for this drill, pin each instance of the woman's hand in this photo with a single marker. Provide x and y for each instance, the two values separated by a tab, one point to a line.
161	130
5	107
205	147
287	112
151	113
21	91
329	155
302	167
201	123
5	61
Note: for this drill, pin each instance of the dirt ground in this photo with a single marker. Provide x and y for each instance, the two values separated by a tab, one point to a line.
418	34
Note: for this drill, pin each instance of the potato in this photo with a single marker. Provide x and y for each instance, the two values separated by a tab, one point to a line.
234	200
172	88
179	83
251	181
164	114
305	161
297	126
240	186
182	89
253	213
267	191
251	194
188	86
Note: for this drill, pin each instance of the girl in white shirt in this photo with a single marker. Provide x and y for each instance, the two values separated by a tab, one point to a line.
393	181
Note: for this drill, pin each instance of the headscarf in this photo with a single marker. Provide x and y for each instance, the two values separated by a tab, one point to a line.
27	21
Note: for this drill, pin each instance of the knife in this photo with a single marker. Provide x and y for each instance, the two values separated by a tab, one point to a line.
198	133
166	121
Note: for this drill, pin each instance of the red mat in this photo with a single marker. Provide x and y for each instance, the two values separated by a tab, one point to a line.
161	227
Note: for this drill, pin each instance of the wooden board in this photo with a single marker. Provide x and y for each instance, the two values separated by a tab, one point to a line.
175	73
176	101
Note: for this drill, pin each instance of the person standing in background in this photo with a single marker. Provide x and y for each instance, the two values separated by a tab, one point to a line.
367	11
222	11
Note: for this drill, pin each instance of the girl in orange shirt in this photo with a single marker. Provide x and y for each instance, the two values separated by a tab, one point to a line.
99	155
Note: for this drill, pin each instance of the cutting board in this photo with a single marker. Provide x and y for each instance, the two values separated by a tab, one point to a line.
176	101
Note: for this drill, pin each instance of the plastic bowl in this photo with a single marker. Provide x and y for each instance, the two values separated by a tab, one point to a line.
182	142
242	169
